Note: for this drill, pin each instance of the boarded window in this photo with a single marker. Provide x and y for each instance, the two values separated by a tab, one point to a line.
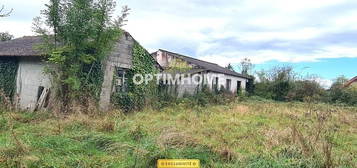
228	84
215	83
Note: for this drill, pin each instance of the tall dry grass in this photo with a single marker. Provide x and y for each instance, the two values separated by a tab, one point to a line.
240	134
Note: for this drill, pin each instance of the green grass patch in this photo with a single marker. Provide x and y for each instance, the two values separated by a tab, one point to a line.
241	134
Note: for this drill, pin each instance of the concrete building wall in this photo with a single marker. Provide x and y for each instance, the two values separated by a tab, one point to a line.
191	88
188	88
163	59
222	81
30	77
121	57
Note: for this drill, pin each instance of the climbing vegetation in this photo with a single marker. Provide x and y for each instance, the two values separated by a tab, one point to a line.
137	96
8	68
78	35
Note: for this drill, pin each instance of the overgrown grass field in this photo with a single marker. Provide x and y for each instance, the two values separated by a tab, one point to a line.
240	134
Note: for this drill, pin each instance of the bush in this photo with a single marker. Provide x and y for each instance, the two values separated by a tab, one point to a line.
275	83
263	90
340	94
128	101
282	84
344	95
205	97
306	89
281	90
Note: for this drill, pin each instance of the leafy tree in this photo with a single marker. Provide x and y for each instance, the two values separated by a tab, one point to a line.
339	82
306	89
337	93
53	17
2	14
78	35
340	94
5	36
275	83
282	73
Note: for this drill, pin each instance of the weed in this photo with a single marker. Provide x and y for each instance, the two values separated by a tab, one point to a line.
240	134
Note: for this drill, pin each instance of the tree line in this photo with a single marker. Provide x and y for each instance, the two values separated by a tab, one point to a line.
283	83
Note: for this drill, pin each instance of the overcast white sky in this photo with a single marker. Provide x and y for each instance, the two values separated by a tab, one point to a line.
284	31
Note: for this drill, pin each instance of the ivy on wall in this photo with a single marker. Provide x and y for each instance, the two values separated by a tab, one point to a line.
137	96
8	69
82	35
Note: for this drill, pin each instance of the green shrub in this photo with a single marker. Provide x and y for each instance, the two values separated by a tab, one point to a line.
206	97
340	94
306	89
128	101
250	87
276	90
281	90
263	89
344	95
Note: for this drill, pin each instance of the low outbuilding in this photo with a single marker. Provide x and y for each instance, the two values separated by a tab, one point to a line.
31	84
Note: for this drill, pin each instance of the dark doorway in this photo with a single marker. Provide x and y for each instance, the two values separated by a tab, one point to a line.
217	85
39	92
239	85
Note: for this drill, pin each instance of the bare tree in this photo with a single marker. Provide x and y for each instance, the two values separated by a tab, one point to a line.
121	20
2	14
246	66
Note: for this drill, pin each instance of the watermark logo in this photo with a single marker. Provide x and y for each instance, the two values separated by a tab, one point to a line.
178	163
178	79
